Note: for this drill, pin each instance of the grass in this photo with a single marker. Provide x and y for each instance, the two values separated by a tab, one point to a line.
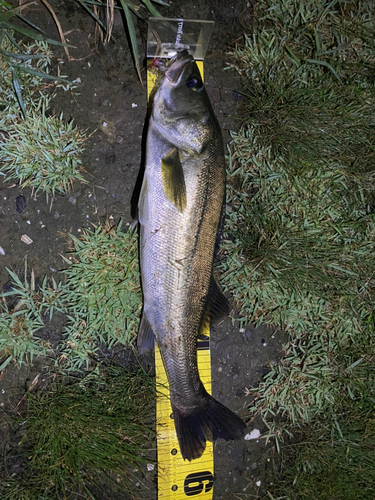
21	321
83	434
42	153
100	299
102	293
335	461
301	227
22	65
36	149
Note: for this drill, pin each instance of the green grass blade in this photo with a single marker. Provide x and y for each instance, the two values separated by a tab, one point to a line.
13	41
132	36
27	21
327	65
356	363
30	34
18	90
134	8
160	2
151	8
25	57
8	14
6	363
41	75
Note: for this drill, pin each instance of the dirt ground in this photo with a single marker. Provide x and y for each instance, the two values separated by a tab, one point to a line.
110	103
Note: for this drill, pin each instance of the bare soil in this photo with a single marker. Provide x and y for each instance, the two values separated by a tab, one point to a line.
111	104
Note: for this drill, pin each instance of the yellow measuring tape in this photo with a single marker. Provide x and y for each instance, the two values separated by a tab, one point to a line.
179	478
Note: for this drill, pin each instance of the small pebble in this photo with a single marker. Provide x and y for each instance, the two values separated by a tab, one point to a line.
258	483
20	203
247	334
2	252
254	434
26	239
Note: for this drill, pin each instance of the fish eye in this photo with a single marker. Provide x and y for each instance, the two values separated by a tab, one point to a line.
194	83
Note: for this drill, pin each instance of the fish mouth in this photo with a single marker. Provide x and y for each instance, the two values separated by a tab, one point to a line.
177	66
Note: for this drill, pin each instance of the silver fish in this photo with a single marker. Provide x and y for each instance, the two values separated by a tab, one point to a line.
179	211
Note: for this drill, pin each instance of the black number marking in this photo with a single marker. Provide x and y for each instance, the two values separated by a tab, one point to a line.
203	345
197	482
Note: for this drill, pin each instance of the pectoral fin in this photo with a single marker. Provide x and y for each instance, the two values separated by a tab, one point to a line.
143	208
173	179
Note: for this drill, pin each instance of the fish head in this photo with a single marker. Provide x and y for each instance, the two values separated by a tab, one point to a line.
181	106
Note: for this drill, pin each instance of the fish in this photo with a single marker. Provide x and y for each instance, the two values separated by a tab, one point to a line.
179	212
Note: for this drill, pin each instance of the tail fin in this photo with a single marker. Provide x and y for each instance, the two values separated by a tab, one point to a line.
213	422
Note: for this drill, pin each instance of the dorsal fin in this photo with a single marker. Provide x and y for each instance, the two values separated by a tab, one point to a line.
173	179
